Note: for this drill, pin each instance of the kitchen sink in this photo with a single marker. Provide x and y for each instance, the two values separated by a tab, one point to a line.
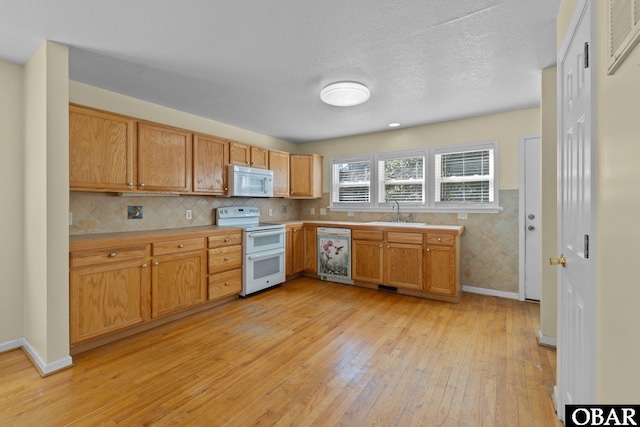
398	224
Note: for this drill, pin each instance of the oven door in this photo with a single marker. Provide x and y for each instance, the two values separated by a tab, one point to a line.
264	240
262	270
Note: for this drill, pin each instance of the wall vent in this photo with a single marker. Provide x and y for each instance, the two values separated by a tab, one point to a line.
624	30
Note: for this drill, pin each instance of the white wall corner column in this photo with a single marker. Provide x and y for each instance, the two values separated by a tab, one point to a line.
46	207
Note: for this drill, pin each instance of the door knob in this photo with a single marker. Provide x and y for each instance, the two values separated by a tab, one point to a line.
558	261
531	228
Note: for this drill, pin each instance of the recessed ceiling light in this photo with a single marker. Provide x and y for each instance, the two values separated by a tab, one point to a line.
345	94
394	125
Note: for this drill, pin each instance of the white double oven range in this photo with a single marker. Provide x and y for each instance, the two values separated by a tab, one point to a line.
263	247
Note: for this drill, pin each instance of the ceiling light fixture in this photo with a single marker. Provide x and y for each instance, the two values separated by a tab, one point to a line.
394	125
345	94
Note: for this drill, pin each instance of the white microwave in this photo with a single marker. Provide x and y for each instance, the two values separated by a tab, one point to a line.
250	182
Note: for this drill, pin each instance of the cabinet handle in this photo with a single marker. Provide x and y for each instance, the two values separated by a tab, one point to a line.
142	185
180	246
226	259
226	283
112	254
226	240
156	263
144	265
253	163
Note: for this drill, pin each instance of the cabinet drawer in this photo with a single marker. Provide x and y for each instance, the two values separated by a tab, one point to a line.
176	246
395	237
225	240
225	284
107	255
223	259
366	235
440	239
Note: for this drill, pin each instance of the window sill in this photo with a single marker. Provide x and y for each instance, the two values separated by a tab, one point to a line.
410	209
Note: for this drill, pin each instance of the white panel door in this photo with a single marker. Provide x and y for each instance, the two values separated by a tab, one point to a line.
530	216
576	293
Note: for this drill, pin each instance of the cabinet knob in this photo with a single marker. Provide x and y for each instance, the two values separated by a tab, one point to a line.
144	265
439	239
131	184
381	245
226	259
225	189
142	185
428	250
226	240
180	246
388	246
112	254
226	283
253	163
156	263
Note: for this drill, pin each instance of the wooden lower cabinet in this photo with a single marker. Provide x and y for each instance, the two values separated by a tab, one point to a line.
310	250
224	265
441	270
295	250
389	258
109	290
177	283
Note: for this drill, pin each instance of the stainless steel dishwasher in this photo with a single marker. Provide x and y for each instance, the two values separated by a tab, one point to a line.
334	254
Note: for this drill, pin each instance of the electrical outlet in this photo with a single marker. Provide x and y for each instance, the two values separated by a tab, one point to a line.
463	216
270	212
349	213
70	218
313	211
323	211
188	214
283	209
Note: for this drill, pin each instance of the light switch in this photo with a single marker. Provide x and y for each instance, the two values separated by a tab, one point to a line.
323	211
313	211
463	216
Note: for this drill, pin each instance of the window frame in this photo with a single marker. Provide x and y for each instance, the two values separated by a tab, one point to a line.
429	183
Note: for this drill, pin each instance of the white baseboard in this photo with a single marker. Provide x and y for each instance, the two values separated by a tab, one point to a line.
11	345
545	340
41	365
491	292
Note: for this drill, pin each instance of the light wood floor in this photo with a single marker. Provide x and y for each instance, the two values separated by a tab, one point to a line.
307	353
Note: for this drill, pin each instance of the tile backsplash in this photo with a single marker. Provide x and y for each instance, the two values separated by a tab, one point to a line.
106	212
489	244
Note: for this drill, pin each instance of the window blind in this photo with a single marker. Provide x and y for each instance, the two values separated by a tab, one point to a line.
401	179
351	182
464	177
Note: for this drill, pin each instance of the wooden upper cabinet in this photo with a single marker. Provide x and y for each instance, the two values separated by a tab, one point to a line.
210	156
259	158
247	155
164	158
279	164
306	176
102	150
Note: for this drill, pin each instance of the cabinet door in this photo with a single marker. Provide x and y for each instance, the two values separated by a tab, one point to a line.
367	261
441	270
259	158
279	164
177	282
403	266
107	298
306	175
297	243
210	156
164	158
310	250
239	153
101	151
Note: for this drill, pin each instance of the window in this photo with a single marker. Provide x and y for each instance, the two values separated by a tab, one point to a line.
351	181
401	179
454	178
464	177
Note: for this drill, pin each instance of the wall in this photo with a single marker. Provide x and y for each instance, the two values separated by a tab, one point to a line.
46	205
11	216
549	193
617	201
490	242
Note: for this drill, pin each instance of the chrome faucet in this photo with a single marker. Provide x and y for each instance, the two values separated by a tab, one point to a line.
398	214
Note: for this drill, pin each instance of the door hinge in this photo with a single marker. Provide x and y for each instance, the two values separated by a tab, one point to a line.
586	246
586	55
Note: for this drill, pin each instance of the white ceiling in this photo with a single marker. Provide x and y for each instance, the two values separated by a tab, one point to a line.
260	64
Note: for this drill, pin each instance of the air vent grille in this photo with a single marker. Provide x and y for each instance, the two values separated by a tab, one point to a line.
624	30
